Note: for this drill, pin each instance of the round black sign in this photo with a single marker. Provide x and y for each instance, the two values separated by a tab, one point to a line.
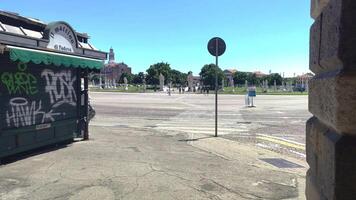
216	46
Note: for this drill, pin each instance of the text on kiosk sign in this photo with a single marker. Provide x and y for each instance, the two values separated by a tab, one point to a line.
62	38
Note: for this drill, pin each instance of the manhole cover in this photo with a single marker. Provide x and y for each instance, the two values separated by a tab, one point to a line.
281	163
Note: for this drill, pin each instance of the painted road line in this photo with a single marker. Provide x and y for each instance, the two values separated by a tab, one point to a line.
198	128
299	154
273	148
279	138
204	132
281	142
212	128
203	125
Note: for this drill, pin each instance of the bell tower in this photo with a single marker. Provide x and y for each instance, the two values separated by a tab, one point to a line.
111	56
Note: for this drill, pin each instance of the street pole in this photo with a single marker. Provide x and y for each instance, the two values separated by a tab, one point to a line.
216	47
100	81
216	89
86	106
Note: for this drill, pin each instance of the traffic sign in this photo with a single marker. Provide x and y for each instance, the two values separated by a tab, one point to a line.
216	46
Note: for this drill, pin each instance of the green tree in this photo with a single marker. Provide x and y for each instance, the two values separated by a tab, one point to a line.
138	78
155	70
240	77
207	75
274	77
252	79
128	76
178	78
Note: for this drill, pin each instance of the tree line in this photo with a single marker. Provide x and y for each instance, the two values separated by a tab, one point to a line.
241	77
207	75
151	77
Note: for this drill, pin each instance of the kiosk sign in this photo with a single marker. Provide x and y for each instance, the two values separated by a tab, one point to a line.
61	37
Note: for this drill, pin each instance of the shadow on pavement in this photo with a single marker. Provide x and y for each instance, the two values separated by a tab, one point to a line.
34	152
195	139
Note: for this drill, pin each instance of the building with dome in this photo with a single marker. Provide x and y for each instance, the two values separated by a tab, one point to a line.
113	71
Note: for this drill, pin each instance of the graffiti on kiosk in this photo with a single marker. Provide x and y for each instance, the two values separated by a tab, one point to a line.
20	82
35	98
60	87
24	113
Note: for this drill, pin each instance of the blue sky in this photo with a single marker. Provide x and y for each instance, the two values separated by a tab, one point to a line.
260	35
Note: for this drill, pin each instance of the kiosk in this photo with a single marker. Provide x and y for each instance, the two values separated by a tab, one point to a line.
43	83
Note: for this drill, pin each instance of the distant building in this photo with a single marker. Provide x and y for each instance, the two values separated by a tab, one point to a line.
193	81
229	74
112	71
304	79
197	80
259	74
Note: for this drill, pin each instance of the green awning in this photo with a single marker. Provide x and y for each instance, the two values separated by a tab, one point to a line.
50	58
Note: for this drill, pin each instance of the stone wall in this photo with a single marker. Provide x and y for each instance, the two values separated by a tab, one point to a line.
331	132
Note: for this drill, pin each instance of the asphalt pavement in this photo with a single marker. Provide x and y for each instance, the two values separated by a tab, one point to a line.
155	146
276	123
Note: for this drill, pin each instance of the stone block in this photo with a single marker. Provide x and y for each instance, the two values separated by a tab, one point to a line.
311	189
314	49
332	41
320	157
332	161
317	7
312	141
332	99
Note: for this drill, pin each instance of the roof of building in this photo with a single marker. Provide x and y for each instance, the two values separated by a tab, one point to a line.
114	64
29	32
230	70
306	76
259	73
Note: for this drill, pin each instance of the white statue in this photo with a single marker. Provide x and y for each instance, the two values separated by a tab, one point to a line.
125	83
161	82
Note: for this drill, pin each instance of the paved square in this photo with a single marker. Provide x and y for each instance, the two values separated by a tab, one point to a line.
155	146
